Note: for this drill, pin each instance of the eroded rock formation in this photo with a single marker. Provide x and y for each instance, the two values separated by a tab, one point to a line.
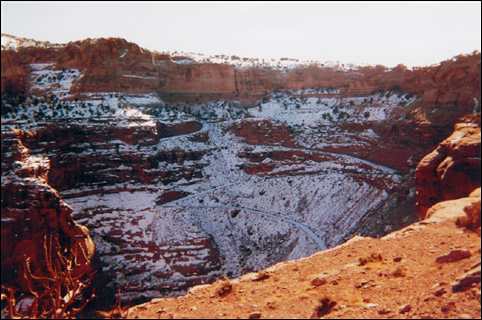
39	236
452	170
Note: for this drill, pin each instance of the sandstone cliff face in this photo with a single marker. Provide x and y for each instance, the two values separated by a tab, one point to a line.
37	226
14	74
256	82
107	65
452	170
447	90
111	65
452	83
198	79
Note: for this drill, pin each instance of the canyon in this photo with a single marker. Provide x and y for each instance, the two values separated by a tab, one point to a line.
162	172
428	269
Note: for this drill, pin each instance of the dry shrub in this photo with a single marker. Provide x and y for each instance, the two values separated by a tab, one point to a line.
57	294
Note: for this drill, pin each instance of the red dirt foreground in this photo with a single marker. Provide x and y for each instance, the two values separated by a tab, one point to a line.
429	269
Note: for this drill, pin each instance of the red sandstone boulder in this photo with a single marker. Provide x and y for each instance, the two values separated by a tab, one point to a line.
452	170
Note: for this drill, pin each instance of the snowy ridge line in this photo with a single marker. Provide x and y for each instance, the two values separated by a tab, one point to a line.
282	63
11	42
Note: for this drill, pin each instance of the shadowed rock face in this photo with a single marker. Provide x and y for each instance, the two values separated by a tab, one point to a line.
80	165
452	170
36	223
14	77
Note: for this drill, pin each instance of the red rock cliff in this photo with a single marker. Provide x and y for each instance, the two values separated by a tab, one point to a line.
38	233
112	64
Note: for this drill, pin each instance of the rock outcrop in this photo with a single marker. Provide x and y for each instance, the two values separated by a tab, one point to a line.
38	232
14	74
452	170
107	65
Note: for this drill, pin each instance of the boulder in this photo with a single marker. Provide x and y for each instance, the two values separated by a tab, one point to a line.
452	170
